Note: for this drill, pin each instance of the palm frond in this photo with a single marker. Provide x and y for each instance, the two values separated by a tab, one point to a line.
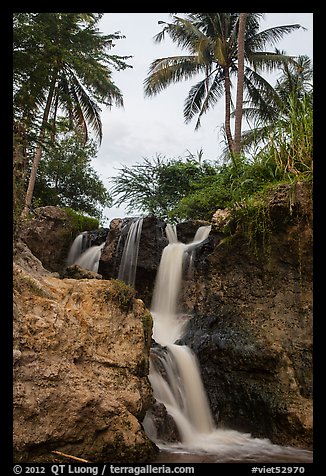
185	34
269	61
255	136
262	95
201	97
270	36
82	108
165	71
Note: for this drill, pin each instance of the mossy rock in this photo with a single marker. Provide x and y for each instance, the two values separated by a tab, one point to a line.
122	294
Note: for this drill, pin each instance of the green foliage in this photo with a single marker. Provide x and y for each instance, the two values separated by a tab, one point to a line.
67	179
61	63
66	54
156	186
230	185
80	222
19	160
255	222
290	141
147	320
291	104
178	190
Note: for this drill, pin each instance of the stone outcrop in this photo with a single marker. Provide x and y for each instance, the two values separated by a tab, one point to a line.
81	356
75	271
50	233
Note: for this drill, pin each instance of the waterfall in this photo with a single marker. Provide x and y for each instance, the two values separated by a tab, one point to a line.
176	381
184	398
81	253
168	325
78	246
90	258
128	264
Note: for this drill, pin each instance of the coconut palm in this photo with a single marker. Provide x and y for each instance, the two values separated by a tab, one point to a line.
211	41
239	103
70	74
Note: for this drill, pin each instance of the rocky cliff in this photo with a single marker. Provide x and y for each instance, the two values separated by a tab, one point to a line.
81	356
252	323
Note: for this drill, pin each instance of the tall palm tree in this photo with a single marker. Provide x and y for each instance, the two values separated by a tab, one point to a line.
239	103
211	40
74	54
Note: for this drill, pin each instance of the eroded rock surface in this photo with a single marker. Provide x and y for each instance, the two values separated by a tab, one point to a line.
81	356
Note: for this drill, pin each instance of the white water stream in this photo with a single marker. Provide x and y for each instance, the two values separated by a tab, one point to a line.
180	387
88	258
77	248
128	264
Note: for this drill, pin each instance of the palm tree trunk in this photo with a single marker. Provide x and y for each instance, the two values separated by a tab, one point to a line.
227	85
38	152
239	101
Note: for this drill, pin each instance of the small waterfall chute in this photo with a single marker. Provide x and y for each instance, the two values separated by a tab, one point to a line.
90	258
84	255
78	246
128	264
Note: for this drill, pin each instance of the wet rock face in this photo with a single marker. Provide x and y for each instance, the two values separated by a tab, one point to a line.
81	358
252	330
166	429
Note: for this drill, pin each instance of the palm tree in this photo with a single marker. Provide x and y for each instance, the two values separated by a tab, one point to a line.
211	40
78	78
239	103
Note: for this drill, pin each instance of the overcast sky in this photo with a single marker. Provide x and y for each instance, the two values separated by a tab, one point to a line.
149	126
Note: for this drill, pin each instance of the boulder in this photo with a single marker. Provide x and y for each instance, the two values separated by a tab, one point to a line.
49	235
81	358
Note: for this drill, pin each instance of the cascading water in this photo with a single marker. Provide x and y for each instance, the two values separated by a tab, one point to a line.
80	253
90	258
128	264
176	380
78	246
